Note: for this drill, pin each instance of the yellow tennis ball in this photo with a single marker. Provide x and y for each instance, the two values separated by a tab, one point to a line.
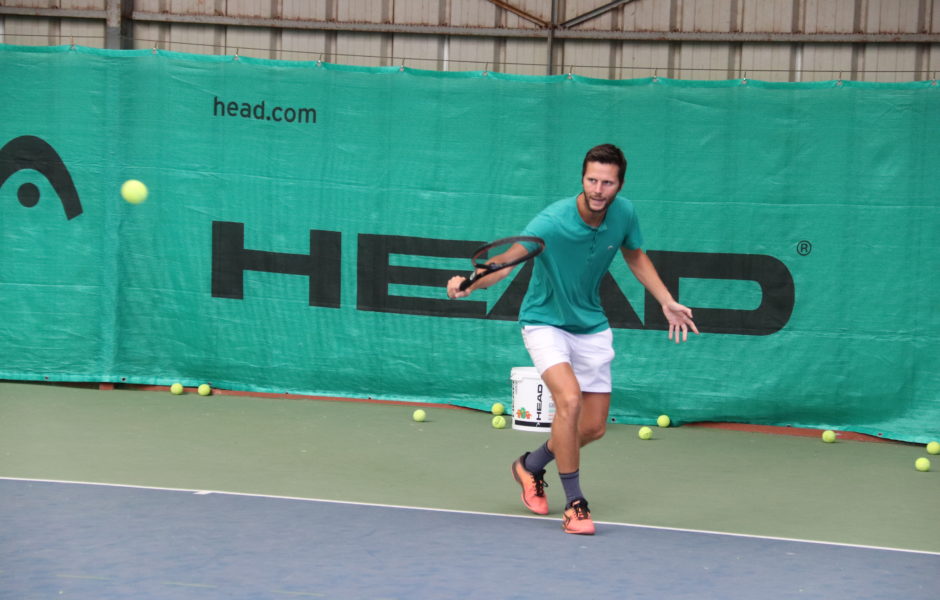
922	464
499	422
499	409
134	191
419	415
663	421
205	389
645	433
829	436
933	448
176	388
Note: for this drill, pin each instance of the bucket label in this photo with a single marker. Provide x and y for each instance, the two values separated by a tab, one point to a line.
533	408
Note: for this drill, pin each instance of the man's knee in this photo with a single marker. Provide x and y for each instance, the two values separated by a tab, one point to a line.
592	432
567	405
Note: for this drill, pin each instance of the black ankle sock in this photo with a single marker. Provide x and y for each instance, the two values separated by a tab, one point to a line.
572	484
538	459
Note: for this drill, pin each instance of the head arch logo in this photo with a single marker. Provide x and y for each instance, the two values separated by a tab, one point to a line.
31	152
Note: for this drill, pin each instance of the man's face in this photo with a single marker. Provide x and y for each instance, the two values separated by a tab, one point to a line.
601	184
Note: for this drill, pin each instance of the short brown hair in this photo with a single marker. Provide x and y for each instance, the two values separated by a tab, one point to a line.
607	154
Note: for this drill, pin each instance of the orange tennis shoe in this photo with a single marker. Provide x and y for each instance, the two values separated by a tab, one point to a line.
533	486
578	518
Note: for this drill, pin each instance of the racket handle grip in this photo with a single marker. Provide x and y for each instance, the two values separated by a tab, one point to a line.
466	283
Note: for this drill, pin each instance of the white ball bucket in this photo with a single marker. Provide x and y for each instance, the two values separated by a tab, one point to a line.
532	405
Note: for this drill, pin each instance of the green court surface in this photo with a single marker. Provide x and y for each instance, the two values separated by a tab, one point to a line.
849	492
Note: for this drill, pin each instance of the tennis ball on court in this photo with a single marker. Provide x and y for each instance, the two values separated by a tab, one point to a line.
419	415
933	448
499	422
922	464
663	421
498	409
176	388
204	389
645	433
134	191
829	436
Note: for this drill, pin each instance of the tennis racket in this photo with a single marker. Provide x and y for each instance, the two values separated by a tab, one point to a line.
480	259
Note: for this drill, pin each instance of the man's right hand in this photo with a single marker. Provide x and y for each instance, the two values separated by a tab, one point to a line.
453	287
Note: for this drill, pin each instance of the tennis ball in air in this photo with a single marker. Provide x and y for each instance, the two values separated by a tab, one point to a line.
645	433
933	448
922	464
499	422
134	191
663	421
498	409
419	415
204	389
176	388
829	436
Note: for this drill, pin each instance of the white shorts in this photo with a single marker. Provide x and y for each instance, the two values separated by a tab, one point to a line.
589	354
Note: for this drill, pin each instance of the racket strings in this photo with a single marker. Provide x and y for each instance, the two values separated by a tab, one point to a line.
482	260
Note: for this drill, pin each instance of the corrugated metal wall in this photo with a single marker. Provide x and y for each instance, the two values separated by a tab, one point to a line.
774	40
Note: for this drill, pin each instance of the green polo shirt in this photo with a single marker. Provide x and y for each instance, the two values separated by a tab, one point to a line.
565	288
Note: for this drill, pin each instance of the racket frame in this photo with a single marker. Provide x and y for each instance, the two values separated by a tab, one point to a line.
482	268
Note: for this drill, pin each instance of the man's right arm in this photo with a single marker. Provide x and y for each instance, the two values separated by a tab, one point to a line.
515	252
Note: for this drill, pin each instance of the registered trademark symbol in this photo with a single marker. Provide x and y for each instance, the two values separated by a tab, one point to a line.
804	248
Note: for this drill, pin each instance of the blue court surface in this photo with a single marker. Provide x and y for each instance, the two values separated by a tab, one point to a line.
92	541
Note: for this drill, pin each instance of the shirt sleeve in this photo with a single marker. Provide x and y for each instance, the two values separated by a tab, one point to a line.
539	226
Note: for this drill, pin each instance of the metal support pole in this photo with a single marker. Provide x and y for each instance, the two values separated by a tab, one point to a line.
118	24
550	45
127	24
112	24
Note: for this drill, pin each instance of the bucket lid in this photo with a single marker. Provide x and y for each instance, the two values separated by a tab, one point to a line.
524	372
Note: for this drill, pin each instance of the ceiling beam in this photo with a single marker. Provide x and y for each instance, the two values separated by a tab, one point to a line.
497	32
592	14
531	32
521	13
55	13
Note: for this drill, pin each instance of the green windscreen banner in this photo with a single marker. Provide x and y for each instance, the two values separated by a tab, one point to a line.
303	219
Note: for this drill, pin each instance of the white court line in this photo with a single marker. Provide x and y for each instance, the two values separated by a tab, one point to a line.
468	512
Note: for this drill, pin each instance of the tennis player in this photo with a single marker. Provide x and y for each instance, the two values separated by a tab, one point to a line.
564	327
